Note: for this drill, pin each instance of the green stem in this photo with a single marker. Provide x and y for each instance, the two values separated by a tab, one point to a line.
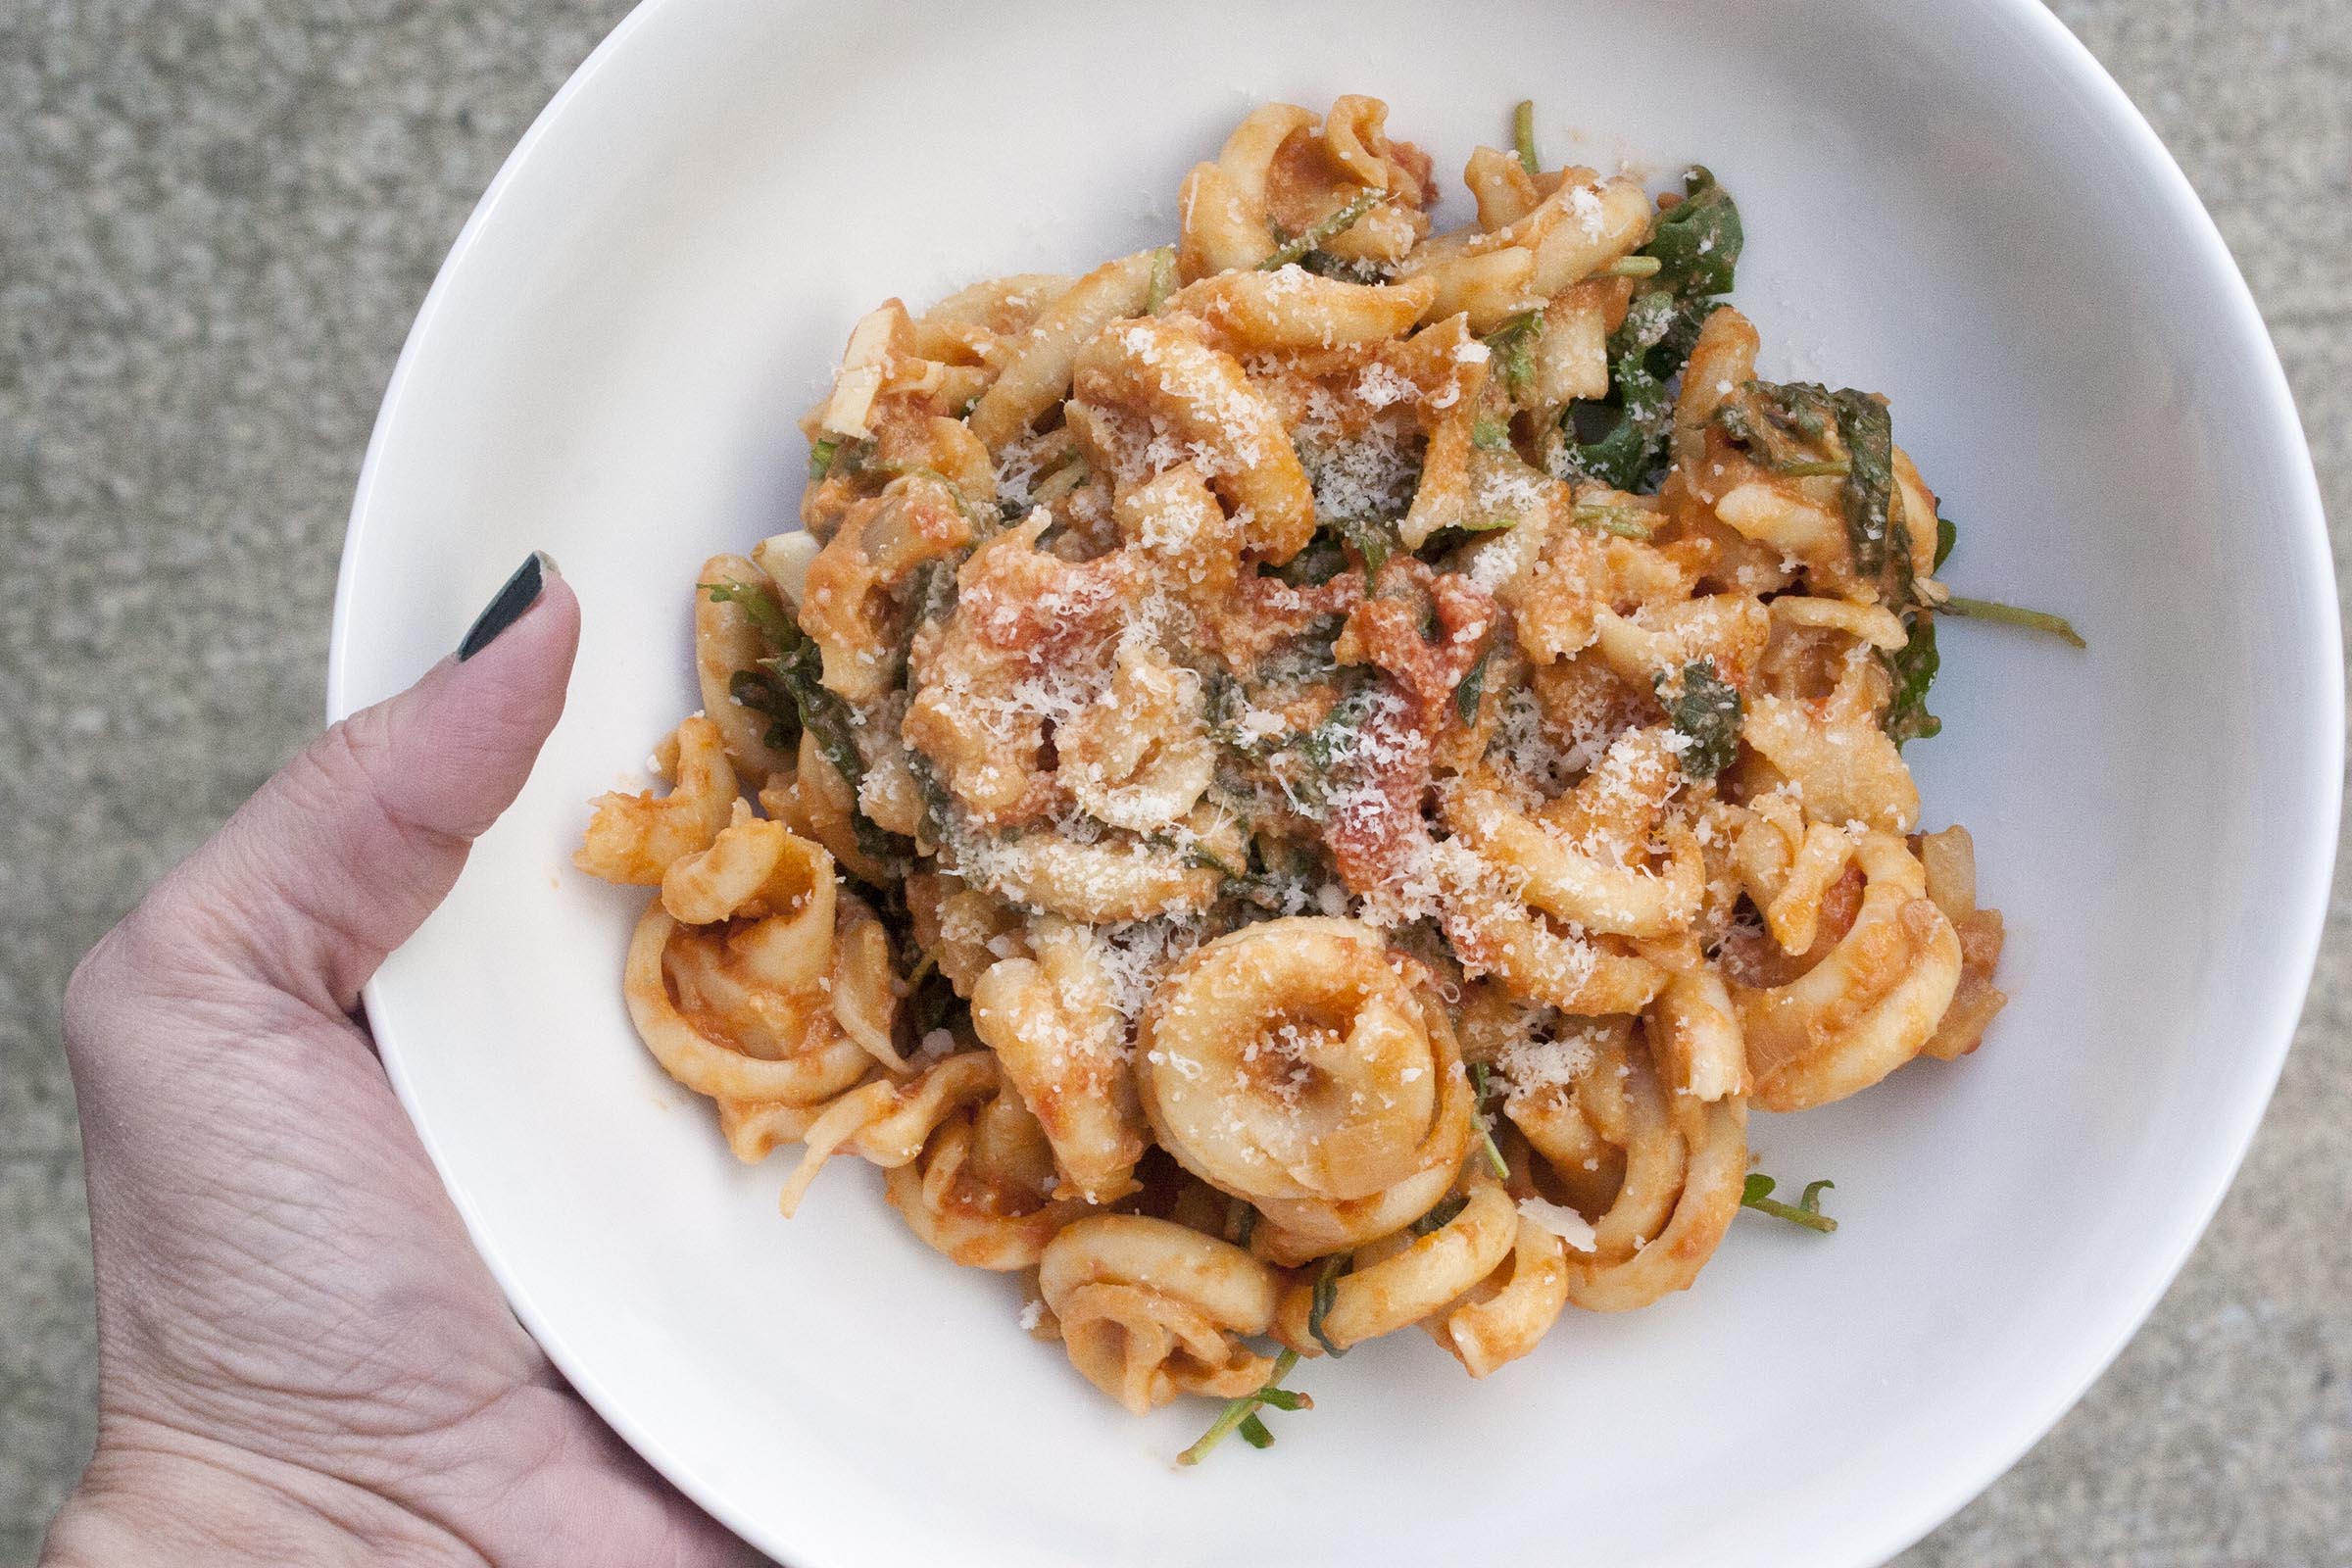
1811	1219
1633	266
1486	1129
1523	136
1239	1410
1626	523
1339	223
2011	615
1164	279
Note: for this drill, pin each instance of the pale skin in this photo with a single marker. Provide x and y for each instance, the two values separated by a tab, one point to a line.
301	1358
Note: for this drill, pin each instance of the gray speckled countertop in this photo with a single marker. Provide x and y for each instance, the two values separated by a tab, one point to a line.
217	218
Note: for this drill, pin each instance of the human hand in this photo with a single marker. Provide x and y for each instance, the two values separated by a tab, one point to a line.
301	1360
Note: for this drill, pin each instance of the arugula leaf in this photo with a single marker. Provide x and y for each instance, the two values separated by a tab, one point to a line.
1441	1217
1325	748
1785	426
1322	230
1523	135
1806	1211
1327	1294
1513	345
1875	531
1621	440
1374	539
1802	429
758	691
1697	242
759	607
1240	1416
1913	667
1474	683
2011	615
1946	536
1163	280
1478	1089
1322	560
1345	268
1706	712
797	669
820	457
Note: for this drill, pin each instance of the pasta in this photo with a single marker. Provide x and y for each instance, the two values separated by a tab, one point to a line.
1310	779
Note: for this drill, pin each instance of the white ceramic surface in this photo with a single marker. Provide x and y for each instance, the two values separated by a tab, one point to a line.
1946	200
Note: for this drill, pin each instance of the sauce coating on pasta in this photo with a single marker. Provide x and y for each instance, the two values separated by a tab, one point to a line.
1306	780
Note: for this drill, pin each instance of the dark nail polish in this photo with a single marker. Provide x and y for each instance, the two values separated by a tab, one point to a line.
505	607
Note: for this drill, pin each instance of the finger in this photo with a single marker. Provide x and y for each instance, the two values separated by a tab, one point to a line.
339	857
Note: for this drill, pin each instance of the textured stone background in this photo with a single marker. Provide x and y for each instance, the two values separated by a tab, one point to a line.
216	219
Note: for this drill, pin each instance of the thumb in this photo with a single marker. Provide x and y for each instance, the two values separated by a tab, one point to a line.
341	855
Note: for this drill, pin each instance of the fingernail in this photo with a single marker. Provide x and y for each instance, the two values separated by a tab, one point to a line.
507	605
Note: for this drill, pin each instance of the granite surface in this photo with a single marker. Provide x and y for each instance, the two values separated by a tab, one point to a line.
217	218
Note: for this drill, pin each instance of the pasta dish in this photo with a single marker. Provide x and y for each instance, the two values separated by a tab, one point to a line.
1304	782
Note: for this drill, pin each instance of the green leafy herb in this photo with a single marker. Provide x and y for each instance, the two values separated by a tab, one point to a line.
1327	1293
798	668
1322	230
1474	683
837	454
759	607
1241	1414
1946	536
1803	430
758	689
1875	531
1195	855
1633	267
1441	1217
1786	428
1697	241
1346	269
1326	750
1913	667
1513	345
1705	711
1805	1211
1523	135
2011	615
1490	435
1479	1087
1323	559
1163	280
1373	539
759	692
1621	440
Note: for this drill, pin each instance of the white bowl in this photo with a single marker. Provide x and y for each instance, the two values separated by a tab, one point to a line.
1946	200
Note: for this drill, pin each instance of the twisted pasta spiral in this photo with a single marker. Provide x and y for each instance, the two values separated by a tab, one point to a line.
1150	1308
1302	1066
1654	1169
